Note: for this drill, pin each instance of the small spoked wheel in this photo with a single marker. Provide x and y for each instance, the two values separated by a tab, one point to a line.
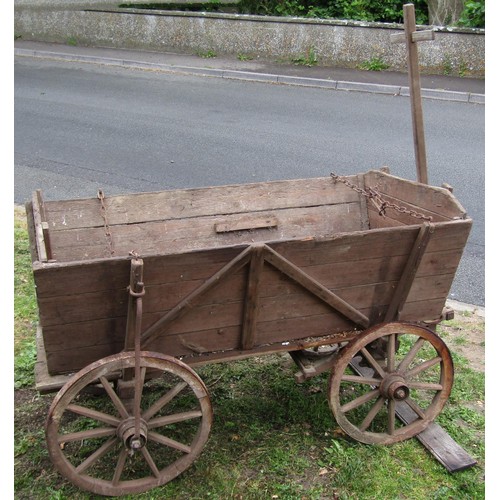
389	371
100	445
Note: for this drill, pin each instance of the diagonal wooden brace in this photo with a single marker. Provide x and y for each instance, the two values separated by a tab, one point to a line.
410	270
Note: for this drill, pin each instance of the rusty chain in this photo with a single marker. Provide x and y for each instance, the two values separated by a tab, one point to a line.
109	238
376	198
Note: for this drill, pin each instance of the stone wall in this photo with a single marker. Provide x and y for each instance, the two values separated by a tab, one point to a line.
334	43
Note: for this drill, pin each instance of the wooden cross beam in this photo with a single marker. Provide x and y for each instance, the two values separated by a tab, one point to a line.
411	36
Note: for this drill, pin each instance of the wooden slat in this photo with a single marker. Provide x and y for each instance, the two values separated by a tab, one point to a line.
179	236
247	223
40	229
251	311
199	202
434	200
416	36
444	448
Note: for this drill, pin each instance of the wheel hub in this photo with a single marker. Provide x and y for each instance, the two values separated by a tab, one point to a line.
394	387
126	432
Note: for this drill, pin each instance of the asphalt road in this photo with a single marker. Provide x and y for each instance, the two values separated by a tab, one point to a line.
84	127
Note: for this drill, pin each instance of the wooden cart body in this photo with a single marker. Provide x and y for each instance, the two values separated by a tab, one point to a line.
235	271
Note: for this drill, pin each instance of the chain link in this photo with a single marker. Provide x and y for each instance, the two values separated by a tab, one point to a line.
107	231
376	198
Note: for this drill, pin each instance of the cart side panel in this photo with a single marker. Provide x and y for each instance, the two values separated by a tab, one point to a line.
85	304
191	203
181	235
362	268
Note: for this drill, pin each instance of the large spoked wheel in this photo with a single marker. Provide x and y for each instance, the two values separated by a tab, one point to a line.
97	443
388	371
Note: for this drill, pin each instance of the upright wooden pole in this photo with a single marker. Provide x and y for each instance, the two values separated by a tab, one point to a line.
411	37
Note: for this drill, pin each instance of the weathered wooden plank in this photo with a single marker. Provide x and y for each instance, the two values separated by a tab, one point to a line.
178	236
199	202
40	229
69	361
351	248
407	215
416	36
247	223
336	276
434	200
251	307
278	298
444	448
62	279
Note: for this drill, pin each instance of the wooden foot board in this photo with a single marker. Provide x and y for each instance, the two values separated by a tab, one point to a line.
444	448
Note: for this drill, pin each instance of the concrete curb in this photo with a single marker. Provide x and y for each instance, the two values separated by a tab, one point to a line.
394	90
463	307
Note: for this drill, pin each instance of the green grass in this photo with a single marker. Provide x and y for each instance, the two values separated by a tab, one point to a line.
309	59
374	64
271	438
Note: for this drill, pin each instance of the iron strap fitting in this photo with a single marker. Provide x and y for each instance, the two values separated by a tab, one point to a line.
377	199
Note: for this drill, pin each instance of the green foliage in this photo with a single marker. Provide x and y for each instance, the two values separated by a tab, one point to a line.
207	54
387	11
210	6
24	365
374	64
310	59
473	15
383	11
25	307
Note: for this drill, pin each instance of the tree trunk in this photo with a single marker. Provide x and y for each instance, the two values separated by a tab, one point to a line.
444	12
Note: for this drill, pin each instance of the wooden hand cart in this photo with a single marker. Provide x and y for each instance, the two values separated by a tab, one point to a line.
134	291
362	263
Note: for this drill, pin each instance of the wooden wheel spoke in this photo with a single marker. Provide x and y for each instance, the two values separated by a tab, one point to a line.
120	465
114	397
102	463
173	419
158	438
425	386
99	453
373	362
423	367
93	414
391	417
372	414
416	408
413	376
139	387
89	434
355	403
164	400
410	355
358	379
150	461
391	351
